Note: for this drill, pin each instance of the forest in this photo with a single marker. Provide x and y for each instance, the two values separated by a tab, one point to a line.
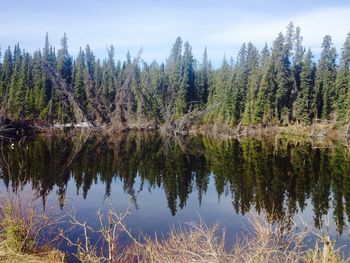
278	85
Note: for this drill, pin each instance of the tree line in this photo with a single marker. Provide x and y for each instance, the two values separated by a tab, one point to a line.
279	85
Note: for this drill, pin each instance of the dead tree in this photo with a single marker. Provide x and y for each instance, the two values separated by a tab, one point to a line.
66	95
123	95
98	111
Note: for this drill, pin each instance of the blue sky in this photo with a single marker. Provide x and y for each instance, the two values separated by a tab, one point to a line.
222	26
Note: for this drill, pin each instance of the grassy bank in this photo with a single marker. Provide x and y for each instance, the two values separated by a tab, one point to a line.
9	256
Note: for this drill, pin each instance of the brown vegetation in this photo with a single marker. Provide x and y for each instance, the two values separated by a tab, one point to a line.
22	227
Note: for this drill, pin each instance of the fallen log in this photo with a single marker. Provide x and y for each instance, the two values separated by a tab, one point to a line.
15	129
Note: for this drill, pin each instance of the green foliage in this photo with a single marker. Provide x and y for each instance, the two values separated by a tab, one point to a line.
303	102
16	231
325	80
278	85
343	83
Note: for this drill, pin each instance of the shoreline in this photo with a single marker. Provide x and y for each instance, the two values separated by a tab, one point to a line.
320	132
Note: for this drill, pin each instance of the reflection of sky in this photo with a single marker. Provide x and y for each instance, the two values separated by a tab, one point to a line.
222	26
153	215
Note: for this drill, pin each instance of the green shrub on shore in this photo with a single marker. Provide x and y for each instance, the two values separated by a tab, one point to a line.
25	230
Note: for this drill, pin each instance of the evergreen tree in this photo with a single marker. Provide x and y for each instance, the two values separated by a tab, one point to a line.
14	83
282	76
186	96
47	49
240	84
343	84
64	61
220	99
265	101
303	103
79	88
5	74
203	79
297	65
252	84
325	78
22	93
174	72
39	84
90	61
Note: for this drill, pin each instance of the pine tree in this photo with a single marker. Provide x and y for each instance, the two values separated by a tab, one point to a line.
297	66
240	84
14	82
325	80
203	79
265	101
174	72
110	74
22	89
252	84
343	84
187	91
5	74
47	49
79	88
303	103
220	99
64	61
282	72
39	84
90	61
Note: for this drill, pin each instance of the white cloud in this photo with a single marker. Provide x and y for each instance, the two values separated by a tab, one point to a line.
314	26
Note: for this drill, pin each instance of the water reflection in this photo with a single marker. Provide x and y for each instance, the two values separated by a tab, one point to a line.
270	175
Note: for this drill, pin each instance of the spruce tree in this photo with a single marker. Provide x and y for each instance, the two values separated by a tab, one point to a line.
220	100
186	95
79	88
174	72
203	79
343	83
239	84
90	61
22	93
47	49
5	74
14	83
64	61
282	76
39	84
303	102
253	82
325	80
296	66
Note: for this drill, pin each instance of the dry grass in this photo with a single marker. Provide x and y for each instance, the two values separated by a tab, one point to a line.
196	244
22	226
265	242
52	256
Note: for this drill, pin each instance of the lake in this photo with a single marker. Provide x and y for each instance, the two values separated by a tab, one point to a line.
167	181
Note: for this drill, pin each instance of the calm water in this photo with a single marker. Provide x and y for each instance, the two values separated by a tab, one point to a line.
166	182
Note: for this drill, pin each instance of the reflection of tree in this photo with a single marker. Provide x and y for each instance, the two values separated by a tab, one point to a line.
321	185
276	176
340	170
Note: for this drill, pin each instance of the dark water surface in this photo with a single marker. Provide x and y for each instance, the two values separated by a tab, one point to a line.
167	181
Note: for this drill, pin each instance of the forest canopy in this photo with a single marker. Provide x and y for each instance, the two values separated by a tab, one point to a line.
278	85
